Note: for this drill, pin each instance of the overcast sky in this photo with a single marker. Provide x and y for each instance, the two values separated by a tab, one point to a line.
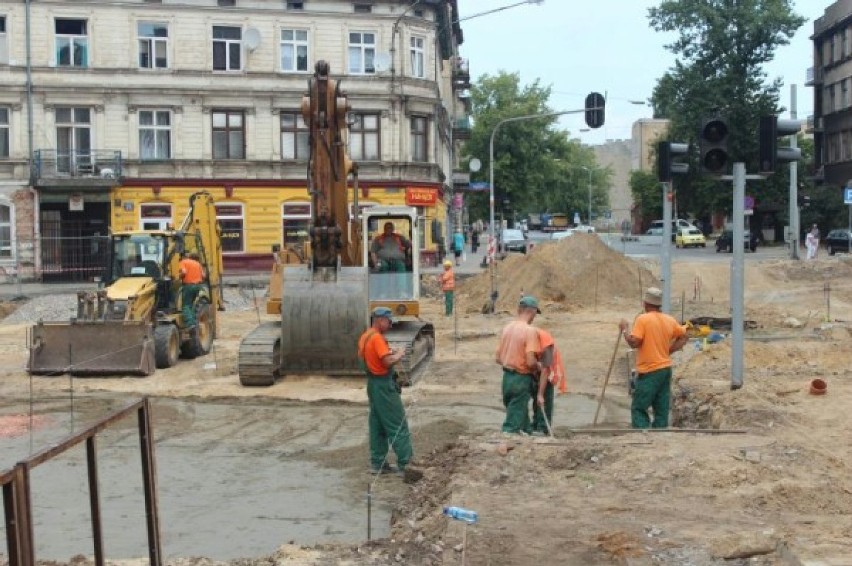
606	46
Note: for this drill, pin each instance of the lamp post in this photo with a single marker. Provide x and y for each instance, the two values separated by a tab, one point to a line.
492	242
590	191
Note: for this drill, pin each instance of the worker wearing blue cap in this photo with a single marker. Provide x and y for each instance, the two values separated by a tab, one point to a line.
388	424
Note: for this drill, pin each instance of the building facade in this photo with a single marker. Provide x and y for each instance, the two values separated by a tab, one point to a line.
137	104
831	79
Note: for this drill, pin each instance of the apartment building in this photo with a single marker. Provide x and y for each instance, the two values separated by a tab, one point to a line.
138	103
831	79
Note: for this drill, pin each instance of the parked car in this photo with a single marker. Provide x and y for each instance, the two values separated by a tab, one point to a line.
562	234
654	231
677	224
838	241
725	242
584	228
687	237
513	240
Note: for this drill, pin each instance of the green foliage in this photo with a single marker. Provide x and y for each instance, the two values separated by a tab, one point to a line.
537	167
721	48
647	193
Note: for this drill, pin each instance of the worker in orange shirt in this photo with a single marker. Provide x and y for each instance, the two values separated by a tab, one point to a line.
387	422
448	286
191	276
516	353
551	375
656	336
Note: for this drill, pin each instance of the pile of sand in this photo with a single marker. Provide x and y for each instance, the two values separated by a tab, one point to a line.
575	272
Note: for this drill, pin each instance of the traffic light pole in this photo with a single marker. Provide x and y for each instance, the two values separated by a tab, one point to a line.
738	277
794	187
666	249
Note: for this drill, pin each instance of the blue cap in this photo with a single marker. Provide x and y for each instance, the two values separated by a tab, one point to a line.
529	302
383	311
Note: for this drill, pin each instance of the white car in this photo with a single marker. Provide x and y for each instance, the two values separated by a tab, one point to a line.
585	229
561	235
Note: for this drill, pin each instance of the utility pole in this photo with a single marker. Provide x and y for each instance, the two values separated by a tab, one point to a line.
794	187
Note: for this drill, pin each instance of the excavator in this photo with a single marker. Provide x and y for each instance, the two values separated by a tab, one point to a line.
324	305
135	324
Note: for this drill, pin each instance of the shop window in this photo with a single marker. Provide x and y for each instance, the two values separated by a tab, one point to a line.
232	223
295	221
5	231
155	216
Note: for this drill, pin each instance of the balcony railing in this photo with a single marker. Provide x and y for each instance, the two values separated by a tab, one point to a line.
102	164
461	128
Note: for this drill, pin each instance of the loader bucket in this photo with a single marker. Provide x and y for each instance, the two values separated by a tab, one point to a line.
91	348
323	314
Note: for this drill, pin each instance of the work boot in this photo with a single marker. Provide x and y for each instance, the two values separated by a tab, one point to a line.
385	469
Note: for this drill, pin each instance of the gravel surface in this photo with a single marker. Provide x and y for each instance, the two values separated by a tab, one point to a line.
63	306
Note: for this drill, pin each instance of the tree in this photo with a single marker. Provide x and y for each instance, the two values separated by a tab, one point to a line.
721	47
536	165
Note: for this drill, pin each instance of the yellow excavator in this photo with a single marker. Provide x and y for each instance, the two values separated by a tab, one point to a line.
325	305
135	324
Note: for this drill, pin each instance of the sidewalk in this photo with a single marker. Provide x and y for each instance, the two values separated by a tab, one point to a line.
469	266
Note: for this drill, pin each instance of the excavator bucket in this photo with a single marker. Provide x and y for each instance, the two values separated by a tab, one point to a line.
323	314
110	347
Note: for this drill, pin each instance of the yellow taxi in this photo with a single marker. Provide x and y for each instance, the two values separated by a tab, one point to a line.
686	237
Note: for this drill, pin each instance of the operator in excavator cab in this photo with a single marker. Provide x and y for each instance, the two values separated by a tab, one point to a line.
390	251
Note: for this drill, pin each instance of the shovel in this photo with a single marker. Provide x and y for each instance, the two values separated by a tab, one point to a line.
606	380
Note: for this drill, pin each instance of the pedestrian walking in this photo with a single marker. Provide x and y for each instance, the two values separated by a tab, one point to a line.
474	241
812	242
191	276
458	246
516	354
387	421
448	285
551	375
656	336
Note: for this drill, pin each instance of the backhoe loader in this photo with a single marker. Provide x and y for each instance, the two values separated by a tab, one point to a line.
325	305
135	324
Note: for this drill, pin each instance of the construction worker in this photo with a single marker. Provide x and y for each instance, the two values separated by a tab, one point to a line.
387	421
551	373
656	336
390	250
191	276
516	354
448	285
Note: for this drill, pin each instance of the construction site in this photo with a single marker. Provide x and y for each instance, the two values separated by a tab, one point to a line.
279	474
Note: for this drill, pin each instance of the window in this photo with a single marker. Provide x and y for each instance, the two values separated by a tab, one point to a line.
4	50
844	43
73	140
362	51
155	134
295	220
5	231
363	8
832	102
229	135
419	137
155	216
227	48
844	94
4	132
364	137
72	43
418	69
294	50
231	222
295	5
294	136
153	45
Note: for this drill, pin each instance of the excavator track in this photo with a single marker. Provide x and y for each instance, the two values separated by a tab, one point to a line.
259	355
417	340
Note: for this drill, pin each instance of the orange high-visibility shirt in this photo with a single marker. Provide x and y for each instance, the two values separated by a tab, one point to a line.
448	280
657	330
192	271
516	341
372	347
557	369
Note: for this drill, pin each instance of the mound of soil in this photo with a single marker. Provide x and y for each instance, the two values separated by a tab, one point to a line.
576	272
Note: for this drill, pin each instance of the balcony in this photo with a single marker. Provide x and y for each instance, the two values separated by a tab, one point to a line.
77	168
461	74
461	128
813	76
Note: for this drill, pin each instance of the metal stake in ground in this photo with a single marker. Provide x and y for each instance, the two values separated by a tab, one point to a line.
606	379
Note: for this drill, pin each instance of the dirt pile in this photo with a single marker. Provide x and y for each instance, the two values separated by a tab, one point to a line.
576	272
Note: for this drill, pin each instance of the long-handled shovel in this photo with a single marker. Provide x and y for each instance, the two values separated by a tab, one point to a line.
606	380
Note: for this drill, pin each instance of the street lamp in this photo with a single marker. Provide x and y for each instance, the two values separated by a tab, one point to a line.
590	192
492	241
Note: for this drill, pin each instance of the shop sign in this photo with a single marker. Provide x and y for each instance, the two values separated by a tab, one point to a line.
421	197
75	202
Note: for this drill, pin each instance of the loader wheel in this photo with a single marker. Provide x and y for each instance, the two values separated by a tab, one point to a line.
166	345
201	339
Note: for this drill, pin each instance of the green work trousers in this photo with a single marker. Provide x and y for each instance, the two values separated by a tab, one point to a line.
538	423
653	389
188	293
388	424
448	303
516	399
392	265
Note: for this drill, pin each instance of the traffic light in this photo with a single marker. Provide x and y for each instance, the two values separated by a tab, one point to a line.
595	110
713	142
666	153
771	128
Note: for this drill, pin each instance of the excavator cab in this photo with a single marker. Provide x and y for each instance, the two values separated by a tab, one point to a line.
389	257
137	255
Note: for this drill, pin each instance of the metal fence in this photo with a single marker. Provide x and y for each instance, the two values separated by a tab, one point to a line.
51	163
55	258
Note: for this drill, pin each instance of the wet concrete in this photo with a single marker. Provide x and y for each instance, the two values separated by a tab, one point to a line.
237	477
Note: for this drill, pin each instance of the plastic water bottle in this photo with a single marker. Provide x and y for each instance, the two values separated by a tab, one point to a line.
461	514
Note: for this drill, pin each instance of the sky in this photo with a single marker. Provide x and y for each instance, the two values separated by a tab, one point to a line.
577	46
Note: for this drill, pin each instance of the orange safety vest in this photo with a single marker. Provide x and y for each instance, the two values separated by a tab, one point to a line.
396	237
557	370
448	280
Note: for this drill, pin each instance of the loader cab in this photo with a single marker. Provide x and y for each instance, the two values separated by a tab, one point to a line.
137	255
392	256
